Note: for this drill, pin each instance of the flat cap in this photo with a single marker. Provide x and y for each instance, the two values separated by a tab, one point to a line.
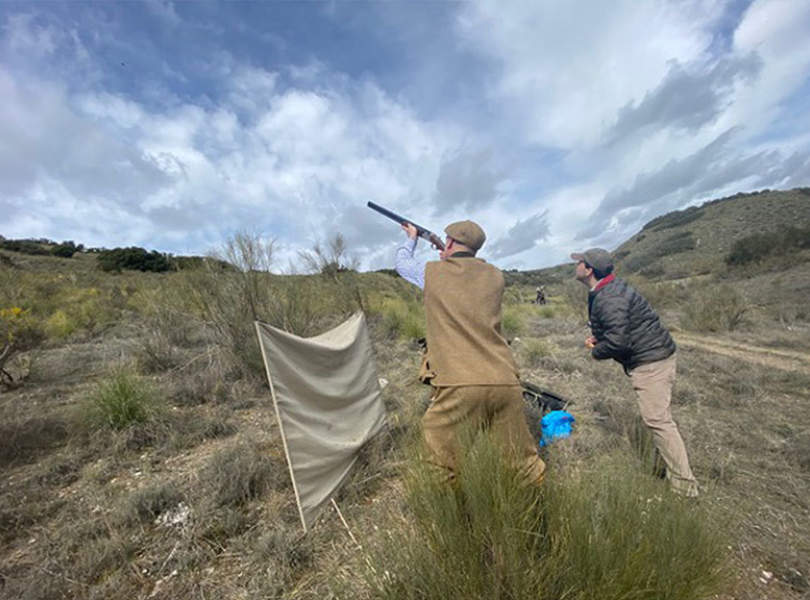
596	258
468	233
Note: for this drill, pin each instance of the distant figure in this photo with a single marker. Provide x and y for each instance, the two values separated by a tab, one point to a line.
468	362
541	295
625	327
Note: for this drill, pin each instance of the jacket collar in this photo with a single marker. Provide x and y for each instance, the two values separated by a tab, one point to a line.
603	282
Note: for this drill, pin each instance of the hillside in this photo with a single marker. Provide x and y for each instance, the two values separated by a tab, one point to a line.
697	240
141	457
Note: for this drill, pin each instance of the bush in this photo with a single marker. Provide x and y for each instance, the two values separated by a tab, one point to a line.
610	532
758	246
575	296
25	247
479	538
537	349
230	301
675	219
133	258
66	249
239	474
674	244
402	318
546	312
619	533
60	325
121	400
715	309
512	321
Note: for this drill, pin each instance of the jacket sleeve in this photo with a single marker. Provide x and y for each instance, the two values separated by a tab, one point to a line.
611	327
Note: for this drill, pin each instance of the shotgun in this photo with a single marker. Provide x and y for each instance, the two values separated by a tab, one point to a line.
421	231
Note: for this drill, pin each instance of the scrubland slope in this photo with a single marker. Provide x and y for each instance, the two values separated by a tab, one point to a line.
141	458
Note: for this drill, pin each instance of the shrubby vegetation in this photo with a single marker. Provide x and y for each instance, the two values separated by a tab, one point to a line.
230	301
19	332
401	317
714	308
66	249
591	533
758	246
133	258
675	219
329	258
679	242
121	400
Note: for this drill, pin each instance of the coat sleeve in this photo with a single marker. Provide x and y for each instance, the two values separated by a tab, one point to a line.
611	327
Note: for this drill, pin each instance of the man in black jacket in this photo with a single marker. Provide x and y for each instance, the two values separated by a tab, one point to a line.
625	327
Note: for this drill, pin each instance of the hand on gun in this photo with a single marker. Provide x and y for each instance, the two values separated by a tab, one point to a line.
410	230
590	342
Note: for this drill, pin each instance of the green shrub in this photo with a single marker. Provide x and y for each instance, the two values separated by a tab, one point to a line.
675	218
512	321
575	296
121	400
35	247
615	532
402	318
59	325
715	308
758	246
133	258
682	241
609	532
479	538
546	311
66	249
536	349
229	301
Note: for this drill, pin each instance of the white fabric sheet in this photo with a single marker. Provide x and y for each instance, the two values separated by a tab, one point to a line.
328	404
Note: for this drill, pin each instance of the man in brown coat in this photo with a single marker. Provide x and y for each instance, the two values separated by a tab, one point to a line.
468	362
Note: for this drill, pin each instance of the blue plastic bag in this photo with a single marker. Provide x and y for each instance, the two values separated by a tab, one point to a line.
556	424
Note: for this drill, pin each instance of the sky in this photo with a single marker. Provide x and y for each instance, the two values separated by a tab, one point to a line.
555	125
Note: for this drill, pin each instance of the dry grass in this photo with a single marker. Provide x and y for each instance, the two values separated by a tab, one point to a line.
97	520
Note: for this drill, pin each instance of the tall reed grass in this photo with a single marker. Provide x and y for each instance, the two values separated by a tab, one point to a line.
609	531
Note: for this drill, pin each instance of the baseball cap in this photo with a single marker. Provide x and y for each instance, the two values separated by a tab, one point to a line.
468	233
597	258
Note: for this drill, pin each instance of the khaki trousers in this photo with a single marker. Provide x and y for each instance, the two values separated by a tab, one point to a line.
653	385
498	408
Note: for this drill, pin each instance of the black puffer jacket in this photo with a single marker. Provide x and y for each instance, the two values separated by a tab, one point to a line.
626	327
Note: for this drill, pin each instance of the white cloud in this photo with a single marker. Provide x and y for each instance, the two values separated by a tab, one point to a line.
578	118
567	68
288	161
523	235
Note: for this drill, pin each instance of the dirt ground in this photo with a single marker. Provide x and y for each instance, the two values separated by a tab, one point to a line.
77	509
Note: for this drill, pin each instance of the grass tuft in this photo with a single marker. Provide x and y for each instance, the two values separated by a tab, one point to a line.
536	349
715	309
241	473
607	532
121	400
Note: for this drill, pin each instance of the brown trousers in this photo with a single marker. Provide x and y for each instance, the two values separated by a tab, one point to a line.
653	385
498	408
